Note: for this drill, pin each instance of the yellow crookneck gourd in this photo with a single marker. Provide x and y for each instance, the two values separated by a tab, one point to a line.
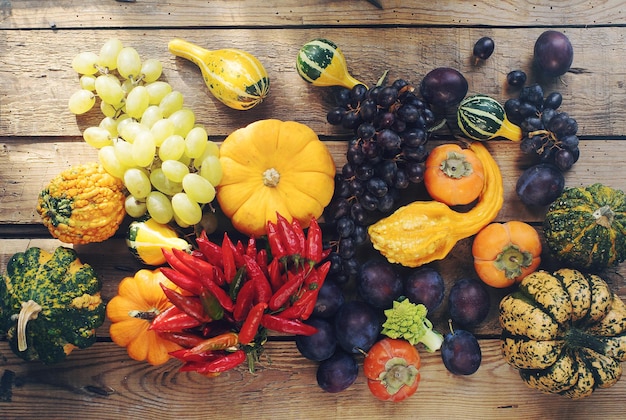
425	231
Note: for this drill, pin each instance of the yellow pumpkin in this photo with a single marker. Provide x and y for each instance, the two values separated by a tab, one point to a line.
273	166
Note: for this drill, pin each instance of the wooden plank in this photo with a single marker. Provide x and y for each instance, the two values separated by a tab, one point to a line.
102	382
27	14
38	75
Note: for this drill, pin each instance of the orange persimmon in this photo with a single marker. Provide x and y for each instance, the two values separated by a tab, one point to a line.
454	176
505	253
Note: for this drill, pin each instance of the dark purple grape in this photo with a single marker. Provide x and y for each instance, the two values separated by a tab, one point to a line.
339	208
335	116
415	154
371	149
369	201
399	84
425	285
379	284
570	141
564	159
358	214
387	96
553	100
389	139
350	120
345	227
368	110
387	170
468	302
337	373
526	109
530	145
365	131
360	234
553	53
408	113
386	203
460	352
357	326
329	299
347	170
355	155
342	189
377	186
414	137
402	180
547	115
346	248
357	94
512	109
516	78
364	171
385	119
415	171
356	187
350	266
540	185
342	96
319	346
483	48
532	94
443	87
531	124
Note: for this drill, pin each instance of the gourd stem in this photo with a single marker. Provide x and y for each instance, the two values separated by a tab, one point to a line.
271	177
508	130
30	310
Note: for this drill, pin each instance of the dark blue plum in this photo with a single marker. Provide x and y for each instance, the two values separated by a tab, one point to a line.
357	326
425	285
338	372
461	353
329	299
321	345
379	284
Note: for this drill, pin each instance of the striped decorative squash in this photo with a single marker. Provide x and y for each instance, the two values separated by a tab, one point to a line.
481	117
236	78
321	63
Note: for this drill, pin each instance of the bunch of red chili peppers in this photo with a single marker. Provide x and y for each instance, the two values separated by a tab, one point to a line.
233	293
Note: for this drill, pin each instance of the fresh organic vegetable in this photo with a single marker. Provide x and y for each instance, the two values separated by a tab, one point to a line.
480	117
504	253
146	238
483	48
378	283
408	321
540	185
392	369
421	232
321	63
460	352
273	167
454	176
425	285
338	372
235	77
443	87
565	332
139	301
586	226
357	326
82	204
50	305
468	302
553	53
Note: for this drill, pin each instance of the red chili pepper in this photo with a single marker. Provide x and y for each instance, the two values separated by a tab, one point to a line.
251	325
183	339
173	320
190	284
193	361
220	294
300	307
198	265
275	275
287	290
244	301
198	254
219	342
219	277
255	274
211	305
275	242
288	236
178	264
315	279
230	361
211	251
314	244
261	259
285	325
228	252
236	283
251	248
309	303
240	250
191	305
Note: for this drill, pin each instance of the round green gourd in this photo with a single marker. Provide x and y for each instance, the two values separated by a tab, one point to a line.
50	305
481	117
321	63
585	227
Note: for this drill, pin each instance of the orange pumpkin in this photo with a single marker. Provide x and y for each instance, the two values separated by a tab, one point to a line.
454	176
271	167
505	253
139	300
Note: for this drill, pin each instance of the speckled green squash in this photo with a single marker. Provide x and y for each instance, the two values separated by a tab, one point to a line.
586	227
565	332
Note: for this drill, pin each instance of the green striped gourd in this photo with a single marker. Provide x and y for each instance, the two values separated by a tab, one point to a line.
481	117
321	63
235	77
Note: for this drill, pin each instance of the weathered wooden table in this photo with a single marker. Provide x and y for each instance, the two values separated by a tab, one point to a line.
408	38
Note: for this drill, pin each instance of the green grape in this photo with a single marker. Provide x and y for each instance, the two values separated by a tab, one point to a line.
187	210
171	103
211	149
161	183
109	89
124	153
108	110
97	137
211	170
184	120
159	207
81	101
151	70
195	142
198	188
137	182
85	63
109	52
172	148
127	85
88	82
109	124
110	163
144	149
161	130
129	63
157	91
174	170
180	223
151	115
135	208
137	101
129	129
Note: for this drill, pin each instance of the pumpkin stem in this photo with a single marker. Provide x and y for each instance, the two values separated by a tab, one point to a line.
456	166
271	177
604	216
29	311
